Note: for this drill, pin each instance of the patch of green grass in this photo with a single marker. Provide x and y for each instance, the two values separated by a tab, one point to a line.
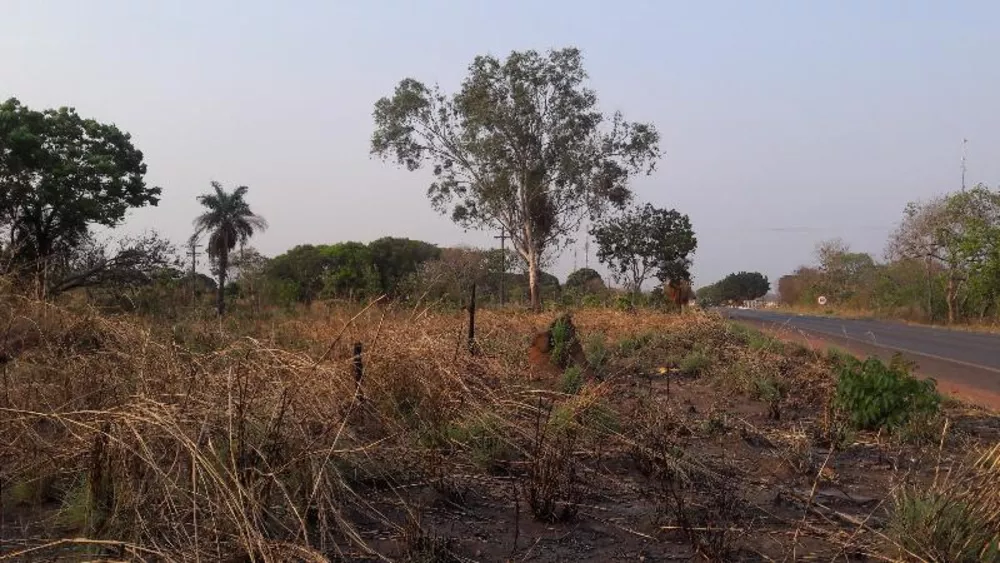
601	419
563	338
77	506
572	380
596	350
838	357
632	344
938	527
695	363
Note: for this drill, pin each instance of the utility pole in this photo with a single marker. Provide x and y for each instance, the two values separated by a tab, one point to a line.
503	264
586	253
193	252
964	142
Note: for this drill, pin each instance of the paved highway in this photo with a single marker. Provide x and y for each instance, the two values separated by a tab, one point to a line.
968	359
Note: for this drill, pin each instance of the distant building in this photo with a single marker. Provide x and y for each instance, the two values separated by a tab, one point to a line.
769	301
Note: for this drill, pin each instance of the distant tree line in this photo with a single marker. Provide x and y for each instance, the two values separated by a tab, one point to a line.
942	263
521	146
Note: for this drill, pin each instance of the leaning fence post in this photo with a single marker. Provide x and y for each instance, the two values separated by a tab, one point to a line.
359	367
472	320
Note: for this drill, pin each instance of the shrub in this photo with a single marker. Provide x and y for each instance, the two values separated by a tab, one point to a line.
632	344
956	518
694	363
771	391
624	303
572	380
596	351
486	444
941	528
563	338
874	395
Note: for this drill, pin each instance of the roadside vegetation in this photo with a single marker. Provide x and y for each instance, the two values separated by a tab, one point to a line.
395	400
941	266
669	436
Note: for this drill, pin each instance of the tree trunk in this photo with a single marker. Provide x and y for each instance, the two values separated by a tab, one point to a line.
951	300
533	287
220	296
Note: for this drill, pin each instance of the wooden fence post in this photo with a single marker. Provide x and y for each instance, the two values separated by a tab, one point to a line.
359	367
472	320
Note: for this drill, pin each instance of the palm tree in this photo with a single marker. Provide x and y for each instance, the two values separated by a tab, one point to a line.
228	221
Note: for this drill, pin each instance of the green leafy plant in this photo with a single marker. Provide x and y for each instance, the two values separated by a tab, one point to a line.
874	395
771	391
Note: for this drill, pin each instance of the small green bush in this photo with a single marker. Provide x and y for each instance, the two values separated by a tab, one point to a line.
572	380
632	344
695	363
563	337
595	349
874	395
624	303
772	391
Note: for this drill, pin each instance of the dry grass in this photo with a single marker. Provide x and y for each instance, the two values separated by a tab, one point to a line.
126	437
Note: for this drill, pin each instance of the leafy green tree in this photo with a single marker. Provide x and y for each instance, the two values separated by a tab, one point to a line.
521	146
61	174
299	272
847	278
736	287
228	221
643	241
348	270
709	295
952	233
585	281
397	258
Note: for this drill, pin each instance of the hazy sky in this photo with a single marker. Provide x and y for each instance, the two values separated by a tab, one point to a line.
783	123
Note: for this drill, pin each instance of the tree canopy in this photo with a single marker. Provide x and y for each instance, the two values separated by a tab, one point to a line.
521	146
60	175
585	280
959	234
646	241
229	221
397	258
734	288
348	269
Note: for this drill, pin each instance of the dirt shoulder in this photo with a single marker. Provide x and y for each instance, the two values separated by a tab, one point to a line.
962	382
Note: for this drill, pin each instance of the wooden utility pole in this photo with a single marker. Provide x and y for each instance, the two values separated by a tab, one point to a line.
193	252
503	266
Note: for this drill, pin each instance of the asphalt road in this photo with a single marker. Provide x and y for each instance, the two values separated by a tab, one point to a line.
969	359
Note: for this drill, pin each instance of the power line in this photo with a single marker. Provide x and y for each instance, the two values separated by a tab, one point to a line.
193	252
